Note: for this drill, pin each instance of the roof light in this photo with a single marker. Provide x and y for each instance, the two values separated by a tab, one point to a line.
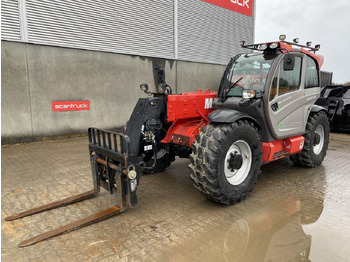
263	47
283	37
241	43
308	43
296	40
318	46
273	45
248	93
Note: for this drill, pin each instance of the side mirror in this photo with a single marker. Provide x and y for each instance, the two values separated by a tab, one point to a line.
144	87
288	62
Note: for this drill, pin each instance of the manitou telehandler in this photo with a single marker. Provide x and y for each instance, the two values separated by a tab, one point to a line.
263	111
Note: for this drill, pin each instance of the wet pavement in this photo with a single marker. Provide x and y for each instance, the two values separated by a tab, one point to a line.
293	214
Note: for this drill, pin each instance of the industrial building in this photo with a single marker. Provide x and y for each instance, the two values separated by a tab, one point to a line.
68	65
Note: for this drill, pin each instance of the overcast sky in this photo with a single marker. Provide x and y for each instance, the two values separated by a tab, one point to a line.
320	21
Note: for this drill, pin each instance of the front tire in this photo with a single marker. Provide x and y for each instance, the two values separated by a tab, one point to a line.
226	160
316	141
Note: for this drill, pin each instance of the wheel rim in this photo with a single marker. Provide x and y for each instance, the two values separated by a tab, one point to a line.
319	131
239	148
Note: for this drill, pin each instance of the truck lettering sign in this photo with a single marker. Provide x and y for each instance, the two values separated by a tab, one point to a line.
243	3
70	105
244	7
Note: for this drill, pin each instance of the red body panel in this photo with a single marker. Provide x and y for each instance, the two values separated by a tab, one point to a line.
188	113
281	148
190	105
184	131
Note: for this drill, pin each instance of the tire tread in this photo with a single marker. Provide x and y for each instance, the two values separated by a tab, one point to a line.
204	161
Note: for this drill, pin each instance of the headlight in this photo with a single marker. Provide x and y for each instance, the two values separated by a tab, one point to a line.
247	94
273	45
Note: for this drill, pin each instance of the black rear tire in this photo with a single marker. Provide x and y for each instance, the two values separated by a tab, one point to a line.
311	155
209	157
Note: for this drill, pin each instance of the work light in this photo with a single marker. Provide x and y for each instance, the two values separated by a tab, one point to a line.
263	47
273	45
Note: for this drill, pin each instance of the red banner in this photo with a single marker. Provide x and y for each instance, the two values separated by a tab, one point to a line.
244	7
70	105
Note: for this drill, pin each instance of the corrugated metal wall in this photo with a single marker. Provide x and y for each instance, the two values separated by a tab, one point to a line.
205	32
211	34
10	25
123	26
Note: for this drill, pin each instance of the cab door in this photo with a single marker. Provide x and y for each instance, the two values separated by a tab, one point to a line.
286	99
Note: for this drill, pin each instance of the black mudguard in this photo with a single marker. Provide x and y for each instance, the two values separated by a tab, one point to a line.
317	108
229	116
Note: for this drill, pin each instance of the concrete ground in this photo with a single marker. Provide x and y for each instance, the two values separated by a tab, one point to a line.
293	214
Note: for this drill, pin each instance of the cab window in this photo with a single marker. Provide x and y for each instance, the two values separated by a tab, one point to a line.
311	79
286	81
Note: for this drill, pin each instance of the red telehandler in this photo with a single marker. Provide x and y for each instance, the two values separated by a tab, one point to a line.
263	111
